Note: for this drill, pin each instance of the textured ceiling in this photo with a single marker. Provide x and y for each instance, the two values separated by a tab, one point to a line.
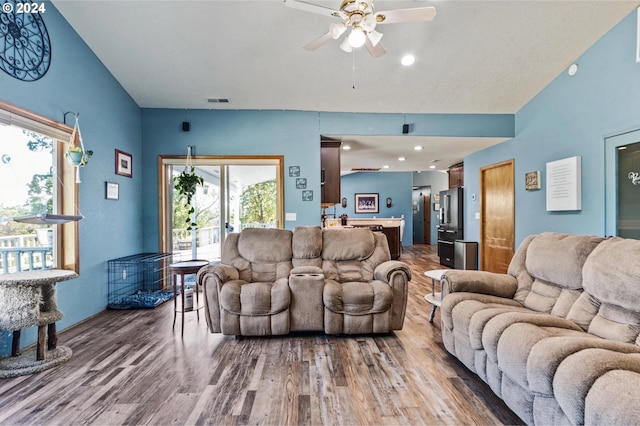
474	57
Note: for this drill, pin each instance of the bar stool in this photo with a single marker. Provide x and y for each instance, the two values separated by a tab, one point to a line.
187	267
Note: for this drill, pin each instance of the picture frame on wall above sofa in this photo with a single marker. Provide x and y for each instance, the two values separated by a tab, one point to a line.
366	203
124	164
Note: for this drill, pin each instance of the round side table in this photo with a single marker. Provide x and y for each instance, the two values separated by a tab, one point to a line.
187	267
434	298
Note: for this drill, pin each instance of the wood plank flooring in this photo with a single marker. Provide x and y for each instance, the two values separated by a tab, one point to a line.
130	367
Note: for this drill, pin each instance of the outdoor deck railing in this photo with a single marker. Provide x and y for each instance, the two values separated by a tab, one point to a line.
24	253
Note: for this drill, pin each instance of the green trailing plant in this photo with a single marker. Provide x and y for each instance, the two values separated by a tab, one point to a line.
186	184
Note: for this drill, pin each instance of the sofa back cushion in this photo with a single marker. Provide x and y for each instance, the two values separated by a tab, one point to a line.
307	246
352	254
554	264
610	305
259	254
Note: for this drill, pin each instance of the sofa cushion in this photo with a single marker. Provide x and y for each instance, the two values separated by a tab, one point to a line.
256	298
357	298
613	289
347	244
555	262
306	246
259	254
260	245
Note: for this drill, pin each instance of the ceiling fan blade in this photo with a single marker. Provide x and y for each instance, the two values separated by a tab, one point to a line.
319	41
375	51
313	8
406	15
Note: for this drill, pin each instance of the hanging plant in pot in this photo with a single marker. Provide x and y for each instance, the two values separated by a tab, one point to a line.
77	155
186	184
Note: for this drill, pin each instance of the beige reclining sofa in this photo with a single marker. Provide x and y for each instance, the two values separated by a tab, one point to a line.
557	336
275	281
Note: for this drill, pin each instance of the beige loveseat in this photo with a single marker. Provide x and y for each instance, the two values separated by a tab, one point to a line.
557	336
274	281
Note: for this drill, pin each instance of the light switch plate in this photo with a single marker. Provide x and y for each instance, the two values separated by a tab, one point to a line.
290	216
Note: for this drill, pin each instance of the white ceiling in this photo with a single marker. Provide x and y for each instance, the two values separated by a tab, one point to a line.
474	57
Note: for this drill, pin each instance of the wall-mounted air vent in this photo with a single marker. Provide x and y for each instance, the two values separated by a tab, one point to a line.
218	100
365	169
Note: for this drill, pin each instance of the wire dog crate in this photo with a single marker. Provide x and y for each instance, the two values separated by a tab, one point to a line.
139	281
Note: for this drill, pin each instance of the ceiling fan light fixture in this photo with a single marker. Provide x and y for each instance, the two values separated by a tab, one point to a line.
337	30
369	23
357	37
345	46
375	37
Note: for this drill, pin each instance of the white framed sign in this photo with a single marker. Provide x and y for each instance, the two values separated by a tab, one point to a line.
564	184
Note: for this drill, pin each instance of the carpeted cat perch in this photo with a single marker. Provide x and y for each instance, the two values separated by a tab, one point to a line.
29	299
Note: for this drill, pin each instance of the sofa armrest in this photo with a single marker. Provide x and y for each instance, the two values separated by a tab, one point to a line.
489	283
397	274
211	278
385	270
599	386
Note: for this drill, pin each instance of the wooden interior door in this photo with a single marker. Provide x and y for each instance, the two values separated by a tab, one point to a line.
497	210
427	218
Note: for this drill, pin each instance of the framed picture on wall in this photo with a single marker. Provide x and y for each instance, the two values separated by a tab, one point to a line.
124	163
366	203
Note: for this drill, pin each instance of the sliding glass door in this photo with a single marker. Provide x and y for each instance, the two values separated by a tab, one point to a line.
238	192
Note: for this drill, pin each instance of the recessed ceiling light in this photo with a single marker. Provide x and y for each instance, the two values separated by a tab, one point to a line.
346	147
622	148
432	167
401	159
417	148
386	166
407	60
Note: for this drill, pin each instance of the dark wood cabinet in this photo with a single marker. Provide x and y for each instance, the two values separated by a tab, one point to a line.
393	238
330	172
456	176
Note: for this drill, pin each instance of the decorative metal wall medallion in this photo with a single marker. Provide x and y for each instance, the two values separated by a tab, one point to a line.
25	48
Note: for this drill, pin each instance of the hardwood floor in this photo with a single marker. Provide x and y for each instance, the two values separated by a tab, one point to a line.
130	367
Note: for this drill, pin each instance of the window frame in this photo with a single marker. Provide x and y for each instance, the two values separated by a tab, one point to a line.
67	200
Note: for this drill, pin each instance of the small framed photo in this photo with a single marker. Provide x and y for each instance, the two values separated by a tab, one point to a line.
366	203
307	195
301	183
112	191
532	181
294	171
124	164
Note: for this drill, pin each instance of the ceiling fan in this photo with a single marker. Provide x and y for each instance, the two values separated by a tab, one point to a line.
360	16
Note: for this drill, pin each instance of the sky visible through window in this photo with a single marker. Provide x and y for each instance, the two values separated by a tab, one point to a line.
18	165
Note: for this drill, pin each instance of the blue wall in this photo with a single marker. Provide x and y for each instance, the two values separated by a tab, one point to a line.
296	134
396	185
77	81
570	117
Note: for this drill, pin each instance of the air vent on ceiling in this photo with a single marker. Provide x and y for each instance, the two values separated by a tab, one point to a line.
365	169
218	100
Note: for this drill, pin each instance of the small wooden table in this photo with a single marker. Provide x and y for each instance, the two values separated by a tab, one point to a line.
434	298
187	267
28	299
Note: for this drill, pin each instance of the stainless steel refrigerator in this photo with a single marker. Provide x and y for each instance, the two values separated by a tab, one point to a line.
450	227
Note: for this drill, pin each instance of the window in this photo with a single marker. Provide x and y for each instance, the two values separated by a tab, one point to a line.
238	192
32	151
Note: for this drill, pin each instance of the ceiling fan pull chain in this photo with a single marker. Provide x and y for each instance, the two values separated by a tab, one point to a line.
353	69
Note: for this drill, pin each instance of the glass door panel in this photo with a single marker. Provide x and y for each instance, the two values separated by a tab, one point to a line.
237	193
629	191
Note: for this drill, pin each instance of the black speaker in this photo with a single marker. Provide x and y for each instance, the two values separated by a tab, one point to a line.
405	128
186	126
